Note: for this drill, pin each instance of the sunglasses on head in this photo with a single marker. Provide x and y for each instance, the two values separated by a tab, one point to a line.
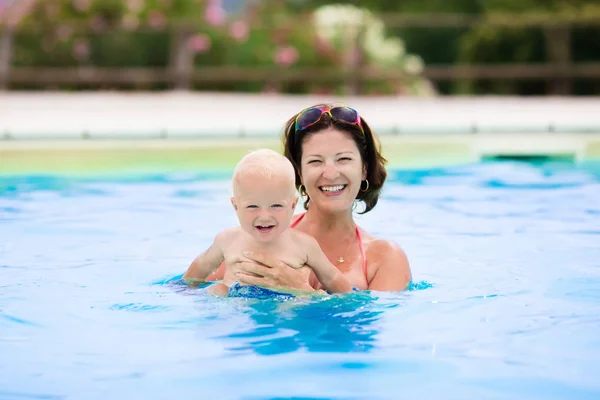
312	115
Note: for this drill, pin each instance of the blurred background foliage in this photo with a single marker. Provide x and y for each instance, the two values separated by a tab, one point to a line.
494	44
298	33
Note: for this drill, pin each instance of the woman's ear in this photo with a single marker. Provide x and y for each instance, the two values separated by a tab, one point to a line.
364	175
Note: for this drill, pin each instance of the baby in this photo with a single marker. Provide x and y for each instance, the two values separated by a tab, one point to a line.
264	199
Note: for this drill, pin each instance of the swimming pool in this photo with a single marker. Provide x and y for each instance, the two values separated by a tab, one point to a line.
505	300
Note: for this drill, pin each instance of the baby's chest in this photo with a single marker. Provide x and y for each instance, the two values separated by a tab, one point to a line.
293	260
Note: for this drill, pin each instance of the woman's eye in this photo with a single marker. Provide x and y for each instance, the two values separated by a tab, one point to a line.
345	159
314	161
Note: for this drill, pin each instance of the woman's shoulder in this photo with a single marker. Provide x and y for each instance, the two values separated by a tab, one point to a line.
382	247
388	267
380	251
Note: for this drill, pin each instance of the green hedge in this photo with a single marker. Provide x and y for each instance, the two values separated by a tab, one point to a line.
486	44
138	33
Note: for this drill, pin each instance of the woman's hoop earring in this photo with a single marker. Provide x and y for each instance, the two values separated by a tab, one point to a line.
302	190
365	189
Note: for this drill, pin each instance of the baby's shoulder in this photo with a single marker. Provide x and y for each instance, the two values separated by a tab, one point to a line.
228	236
232	242
304	243
302	238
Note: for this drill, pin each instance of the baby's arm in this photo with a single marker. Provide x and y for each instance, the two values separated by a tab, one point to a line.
330	277
208	262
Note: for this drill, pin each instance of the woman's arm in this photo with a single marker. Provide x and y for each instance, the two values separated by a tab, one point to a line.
392	267
218	275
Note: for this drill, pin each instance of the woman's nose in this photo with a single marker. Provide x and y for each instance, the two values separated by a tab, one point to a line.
330	171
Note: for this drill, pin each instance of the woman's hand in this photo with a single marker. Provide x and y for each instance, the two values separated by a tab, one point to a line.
263	270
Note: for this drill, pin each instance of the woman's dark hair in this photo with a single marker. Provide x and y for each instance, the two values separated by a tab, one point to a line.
367	144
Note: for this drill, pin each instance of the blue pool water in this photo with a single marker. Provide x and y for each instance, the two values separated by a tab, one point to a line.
505	301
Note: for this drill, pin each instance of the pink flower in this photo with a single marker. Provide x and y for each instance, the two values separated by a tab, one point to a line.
135	5
81	49
286	56
157	19
199	43
239	31
81	5
214	13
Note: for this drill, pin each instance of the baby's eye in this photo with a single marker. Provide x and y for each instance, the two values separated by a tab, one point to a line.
252	206
277	206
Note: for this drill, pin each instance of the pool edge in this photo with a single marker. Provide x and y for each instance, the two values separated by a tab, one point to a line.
402	151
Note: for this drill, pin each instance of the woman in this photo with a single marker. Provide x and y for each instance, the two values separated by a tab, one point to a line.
338	163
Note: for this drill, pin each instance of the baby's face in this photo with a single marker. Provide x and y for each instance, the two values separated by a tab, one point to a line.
264	206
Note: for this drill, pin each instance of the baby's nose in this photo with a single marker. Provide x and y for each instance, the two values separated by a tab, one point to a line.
264	215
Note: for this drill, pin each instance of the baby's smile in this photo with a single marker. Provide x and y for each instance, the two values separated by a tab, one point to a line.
264	228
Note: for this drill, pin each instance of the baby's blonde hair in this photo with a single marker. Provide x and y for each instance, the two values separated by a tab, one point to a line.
266	164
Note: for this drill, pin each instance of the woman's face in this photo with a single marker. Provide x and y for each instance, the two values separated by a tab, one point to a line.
331	169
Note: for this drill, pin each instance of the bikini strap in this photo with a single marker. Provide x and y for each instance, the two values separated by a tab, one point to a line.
362	253
360	243
297	219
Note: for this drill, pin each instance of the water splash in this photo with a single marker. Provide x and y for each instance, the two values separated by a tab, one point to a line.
420	285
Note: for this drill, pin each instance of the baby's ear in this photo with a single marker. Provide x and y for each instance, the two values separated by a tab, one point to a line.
294	202
233	203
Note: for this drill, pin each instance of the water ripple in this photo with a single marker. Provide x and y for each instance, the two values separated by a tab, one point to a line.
22	395
17	320
139	307
504	258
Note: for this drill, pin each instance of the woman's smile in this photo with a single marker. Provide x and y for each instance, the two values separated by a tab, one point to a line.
332	190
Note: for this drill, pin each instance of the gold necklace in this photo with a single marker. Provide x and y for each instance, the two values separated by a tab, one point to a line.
341	258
